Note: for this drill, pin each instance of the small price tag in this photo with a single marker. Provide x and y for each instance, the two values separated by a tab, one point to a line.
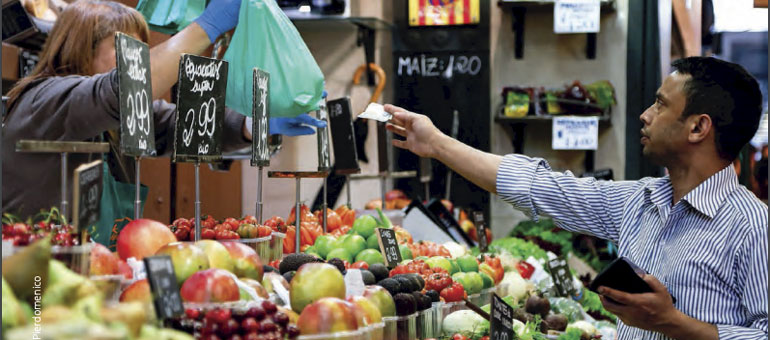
562	277
389	246
343	141
322	134
576	16
501	323
260	113
137	129
575	133
481	230
165	290
200	109
87	194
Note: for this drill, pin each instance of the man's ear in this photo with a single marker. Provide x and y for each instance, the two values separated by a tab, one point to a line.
699	126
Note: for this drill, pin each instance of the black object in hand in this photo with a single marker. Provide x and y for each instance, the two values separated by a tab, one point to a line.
623	275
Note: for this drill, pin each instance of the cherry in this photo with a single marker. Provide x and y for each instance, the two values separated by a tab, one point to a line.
192	313
267	326
252	336
256	312
292	331
209	327
249	324
281	318
229	327
269	307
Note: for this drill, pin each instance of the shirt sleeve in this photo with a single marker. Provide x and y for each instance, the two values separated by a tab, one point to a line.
751	282
583	205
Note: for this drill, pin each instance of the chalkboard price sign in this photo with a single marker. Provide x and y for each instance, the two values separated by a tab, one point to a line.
324	154
562	277
501	323
87	194
164	287
343	142
260	113
137	130
389	246
481	230
200	109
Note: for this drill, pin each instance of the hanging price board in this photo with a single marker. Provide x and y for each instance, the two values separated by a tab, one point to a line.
562	276
260	155
343	141
137	130
200	109
575	133
576	16
501	323
87	194
164	287
389	246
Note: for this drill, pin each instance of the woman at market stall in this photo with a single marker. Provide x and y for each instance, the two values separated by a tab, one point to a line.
700	234
72	95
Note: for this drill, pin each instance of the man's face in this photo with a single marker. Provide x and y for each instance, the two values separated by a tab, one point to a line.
664	135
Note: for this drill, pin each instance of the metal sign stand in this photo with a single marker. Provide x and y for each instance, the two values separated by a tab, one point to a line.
64	149
298	176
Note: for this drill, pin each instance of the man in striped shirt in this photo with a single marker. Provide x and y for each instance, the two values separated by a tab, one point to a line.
701	236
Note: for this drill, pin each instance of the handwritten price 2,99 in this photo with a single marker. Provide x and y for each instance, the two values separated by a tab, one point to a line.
139	117
206	118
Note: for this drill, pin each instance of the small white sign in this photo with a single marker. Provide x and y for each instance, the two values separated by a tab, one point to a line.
576	16
575	133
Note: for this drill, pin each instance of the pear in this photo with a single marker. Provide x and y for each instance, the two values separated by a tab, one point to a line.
27	269
13	313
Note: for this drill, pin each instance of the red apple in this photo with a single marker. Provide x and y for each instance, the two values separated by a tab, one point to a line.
382	299
327	315
125	270
218	255
143	237
186	257
365	310
137	291
103	261
247	262
314	281
261	291
210	285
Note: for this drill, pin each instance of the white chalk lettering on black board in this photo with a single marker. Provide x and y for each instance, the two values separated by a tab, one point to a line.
164	286
137	132
322	135
481	230
562	276
87	194
446	66
260	112
200	109
389	246
343	142
501	323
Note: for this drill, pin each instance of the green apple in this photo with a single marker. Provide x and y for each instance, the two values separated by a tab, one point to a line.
468	263
370	256
488	281
364	226
371	242
455	267
472	282
324	244
441	262
354	244
406	253
341	254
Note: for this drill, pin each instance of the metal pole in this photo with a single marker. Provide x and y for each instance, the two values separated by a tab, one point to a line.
382	189
297	219
64	203
197	201
259	195
324	207
349	183
137	187
427	191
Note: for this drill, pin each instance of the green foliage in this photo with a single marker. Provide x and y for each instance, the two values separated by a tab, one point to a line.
592	303
518	248
571	334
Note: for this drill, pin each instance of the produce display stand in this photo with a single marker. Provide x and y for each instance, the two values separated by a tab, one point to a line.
64	148
298	176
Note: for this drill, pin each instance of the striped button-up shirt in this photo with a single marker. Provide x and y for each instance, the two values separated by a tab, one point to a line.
709	249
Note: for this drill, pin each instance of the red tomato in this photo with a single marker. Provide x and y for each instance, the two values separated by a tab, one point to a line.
438	281
263	231
459	336
208	234
455	292
276	223
360	265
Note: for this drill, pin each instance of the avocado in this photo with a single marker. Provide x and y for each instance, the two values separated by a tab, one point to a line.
368	277
380	271
405	304
337	263
292	262
408	285
289	275
433	295
393	286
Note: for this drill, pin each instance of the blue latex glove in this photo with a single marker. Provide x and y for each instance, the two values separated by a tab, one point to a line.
295	126
219	17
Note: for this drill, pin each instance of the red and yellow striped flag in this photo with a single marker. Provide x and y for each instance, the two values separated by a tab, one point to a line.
443	12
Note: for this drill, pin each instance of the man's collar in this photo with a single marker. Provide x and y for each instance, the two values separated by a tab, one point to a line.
707	197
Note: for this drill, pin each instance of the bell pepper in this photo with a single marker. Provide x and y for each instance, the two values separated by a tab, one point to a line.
525	269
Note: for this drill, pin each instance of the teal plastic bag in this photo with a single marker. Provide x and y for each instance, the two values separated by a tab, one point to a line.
170	16
266	38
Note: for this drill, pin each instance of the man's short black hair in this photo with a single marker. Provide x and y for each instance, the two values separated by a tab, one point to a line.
728	94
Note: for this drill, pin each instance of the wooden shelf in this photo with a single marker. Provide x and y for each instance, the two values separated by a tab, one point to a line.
534	119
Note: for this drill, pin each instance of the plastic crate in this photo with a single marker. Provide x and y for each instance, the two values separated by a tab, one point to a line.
400	327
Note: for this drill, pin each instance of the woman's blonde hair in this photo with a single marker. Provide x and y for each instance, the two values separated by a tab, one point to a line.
71	45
